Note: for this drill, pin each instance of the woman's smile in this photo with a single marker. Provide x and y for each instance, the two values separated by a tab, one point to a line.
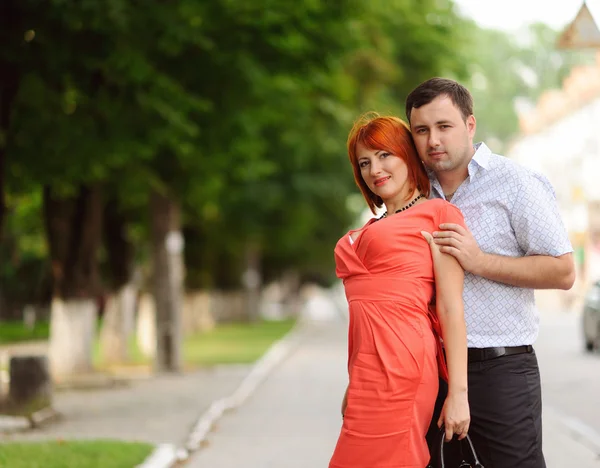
382	180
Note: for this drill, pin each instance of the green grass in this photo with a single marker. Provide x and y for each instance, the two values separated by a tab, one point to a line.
233	343
137	358
226	344
73	454
15	331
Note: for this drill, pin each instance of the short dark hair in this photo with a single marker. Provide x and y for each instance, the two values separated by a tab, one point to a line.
434	87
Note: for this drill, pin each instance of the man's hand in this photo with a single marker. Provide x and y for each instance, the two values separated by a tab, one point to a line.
457	241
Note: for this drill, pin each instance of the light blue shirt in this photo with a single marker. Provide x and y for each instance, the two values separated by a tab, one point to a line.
511	211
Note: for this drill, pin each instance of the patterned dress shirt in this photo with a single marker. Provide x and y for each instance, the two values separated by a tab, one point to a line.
511	211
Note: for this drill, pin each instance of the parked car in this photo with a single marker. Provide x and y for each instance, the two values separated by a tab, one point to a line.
591	318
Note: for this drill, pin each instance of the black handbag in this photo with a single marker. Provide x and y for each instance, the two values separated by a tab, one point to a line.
454	454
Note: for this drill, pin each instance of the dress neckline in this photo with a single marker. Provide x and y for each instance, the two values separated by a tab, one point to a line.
374	220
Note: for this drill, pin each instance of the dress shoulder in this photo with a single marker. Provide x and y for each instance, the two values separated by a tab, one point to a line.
446	212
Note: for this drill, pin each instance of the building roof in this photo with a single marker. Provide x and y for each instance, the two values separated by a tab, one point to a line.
582	32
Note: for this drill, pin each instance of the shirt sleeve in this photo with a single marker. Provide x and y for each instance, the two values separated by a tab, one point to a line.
536	219
450	214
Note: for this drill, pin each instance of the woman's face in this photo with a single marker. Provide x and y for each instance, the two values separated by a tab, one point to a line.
385	174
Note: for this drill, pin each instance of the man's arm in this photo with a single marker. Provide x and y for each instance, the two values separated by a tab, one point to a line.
535	271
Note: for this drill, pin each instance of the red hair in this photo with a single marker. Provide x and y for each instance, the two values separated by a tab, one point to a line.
389	134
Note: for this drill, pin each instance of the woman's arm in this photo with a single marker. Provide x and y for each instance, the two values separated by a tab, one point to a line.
449	278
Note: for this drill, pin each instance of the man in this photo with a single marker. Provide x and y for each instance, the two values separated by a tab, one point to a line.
516	243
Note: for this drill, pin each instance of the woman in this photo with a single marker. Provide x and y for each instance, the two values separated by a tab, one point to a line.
392	271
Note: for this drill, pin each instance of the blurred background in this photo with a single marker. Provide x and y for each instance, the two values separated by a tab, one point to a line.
171	167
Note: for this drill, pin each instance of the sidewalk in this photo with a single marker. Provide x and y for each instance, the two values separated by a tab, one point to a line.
293	419
156	409
159	409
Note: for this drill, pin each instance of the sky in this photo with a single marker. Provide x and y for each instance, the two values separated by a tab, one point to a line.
510	15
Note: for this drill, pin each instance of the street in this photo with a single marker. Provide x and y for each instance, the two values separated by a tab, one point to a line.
292	421
570	376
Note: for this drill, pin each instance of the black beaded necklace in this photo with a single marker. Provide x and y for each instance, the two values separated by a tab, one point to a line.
384	215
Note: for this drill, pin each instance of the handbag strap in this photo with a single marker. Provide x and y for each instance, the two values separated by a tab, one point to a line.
469	443
473	452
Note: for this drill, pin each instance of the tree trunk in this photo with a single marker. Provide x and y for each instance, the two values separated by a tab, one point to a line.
117	326
291	299
252	280
168	275
72	334
73	227
146	326
9	85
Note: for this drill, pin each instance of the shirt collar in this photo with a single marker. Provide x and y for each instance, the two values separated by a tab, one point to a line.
480	160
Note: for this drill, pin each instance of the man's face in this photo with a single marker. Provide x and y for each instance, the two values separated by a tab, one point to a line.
443	139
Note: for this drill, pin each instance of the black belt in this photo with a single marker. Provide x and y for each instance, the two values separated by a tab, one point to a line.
485	354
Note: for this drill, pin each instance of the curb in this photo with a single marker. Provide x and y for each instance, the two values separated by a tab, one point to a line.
168	455
163	455
12	424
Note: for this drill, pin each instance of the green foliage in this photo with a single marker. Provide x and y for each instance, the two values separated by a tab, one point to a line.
16	331
24	268
239	109
282	182
399	44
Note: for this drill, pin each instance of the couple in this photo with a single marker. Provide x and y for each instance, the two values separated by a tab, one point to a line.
408	273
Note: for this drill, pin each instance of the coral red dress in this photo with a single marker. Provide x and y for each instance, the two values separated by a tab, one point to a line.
393	346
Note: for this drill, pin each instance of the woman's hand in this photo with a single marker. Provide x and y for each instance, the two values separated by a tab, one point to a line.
345	402
455	415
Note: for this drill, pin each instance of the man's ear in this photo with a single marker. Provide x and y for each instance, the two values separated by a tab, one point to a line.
471	125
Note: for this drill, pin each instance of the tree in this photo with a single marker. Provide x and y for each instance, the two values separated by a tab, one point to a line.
84	91
238	138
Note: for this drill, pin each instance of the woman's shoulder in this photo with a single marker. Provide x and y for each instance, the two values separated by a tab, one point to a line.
433	202
437	204
444	211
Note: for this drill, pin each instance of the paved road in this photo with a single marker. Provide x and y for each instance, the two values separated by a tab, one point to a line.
570	376
293	421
